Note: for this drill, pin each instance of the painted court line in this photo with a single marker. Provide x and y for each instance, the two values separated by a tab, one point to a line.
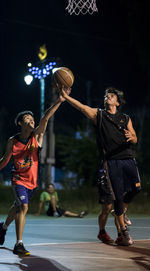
85	225
65	225
143	240
74	243
67	243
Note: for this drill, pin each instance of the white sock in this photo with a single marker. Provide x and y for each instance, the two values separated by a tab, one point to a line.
18	242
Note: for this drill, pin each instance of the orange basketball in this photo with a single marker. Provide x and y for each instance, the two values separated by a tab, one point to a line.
63	76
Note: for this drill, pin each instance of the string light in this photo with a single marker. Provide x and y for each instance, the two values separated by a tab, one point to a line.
42	72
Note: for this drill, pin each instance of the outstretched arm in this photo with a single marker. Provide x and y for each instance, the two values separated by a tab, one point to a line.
130	133
40	130
8	153
89	112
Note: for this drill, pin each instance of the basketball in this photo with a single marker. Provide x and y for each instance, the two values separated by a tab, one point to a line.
62	76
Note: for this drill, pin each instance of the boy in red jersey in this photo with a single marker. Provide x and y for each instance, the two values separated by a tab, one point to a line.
23	147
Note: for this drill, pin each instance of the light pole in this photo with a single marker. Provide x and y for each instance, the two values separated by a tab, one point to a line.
40	72
42	95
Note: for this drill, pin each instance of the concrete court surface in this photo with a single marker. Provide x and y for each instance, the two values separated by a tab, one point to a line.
71	244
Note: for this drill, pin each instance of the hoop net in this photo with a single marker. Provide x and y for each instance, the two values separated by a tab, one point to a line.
81	6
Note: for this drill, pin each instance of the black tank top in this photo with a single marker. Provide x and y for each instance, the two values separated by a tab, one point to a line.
111	135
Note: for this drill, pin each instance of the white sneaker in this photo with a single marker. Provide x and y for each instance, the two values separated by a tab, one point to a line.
127	221
83	213
56	214
126	238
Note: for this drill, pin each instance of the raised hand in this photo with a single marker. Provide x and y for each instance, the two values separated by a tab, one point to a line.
64	92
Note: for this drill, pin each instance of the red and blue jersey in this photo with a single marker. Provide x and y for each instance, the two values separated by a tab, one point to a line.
25	157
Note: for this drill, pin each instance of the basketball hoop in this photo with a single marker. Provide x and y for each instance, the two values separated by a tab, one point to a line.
81	6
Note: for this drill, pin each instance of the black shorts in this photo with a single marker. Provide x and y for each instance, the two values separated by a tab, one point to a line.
50	211
104	189
124	176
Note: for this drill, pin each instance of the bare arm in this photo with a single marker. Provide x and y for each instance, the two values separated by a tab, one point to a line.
8	153
40	130
89	112
130	133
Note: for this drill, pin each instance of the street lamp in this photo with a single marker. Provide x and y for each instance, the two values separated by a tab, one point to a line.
28	79
40	71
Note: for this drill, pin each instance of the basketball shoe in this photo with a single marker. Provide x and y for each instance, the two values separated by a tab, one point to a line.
105	238
20	250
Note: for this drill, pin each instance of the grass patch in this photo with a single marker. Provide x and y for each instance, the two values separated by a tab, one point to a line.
85	198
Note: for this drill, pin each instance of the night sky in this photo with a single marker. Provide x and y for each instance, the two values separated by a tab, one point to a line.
103	48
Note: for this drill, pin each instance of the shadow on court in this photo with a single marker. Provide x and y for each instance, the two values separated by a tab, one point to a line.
71	245
31	263
143	260
40	264
80	256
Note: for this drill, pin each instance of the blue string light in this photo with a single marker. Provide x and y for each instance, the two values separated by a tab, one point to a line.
42	71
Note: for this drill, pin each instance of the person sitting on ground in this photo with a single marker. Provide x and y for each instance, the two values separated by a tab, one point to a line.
49	199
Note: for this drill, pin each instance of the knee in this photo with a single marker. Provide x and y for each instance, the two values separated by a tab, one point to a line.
106	208
53	198
24	208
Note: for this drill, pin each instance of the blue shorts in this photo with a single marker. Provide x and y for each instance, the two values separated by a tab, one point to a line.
22	195
124	176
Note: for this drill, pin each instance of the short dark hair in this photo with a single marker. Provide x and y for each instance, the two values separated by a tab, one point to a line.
20	115
119	93
50	184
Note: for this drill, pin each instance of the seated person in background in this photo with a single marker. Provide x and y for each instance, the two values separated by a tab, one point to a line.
49	199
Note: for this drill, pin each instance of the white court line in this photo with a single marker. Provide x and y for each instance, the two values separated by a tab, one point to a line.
133	227
73	257
67	243
143	240
85	225
73	243
61	225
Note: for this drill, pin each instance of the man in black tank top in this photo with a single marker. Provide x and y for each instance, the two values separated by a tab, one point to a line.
119	175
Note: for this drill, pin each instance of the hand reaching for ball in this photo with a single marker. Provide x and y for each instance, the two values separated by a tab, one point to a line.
64	92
